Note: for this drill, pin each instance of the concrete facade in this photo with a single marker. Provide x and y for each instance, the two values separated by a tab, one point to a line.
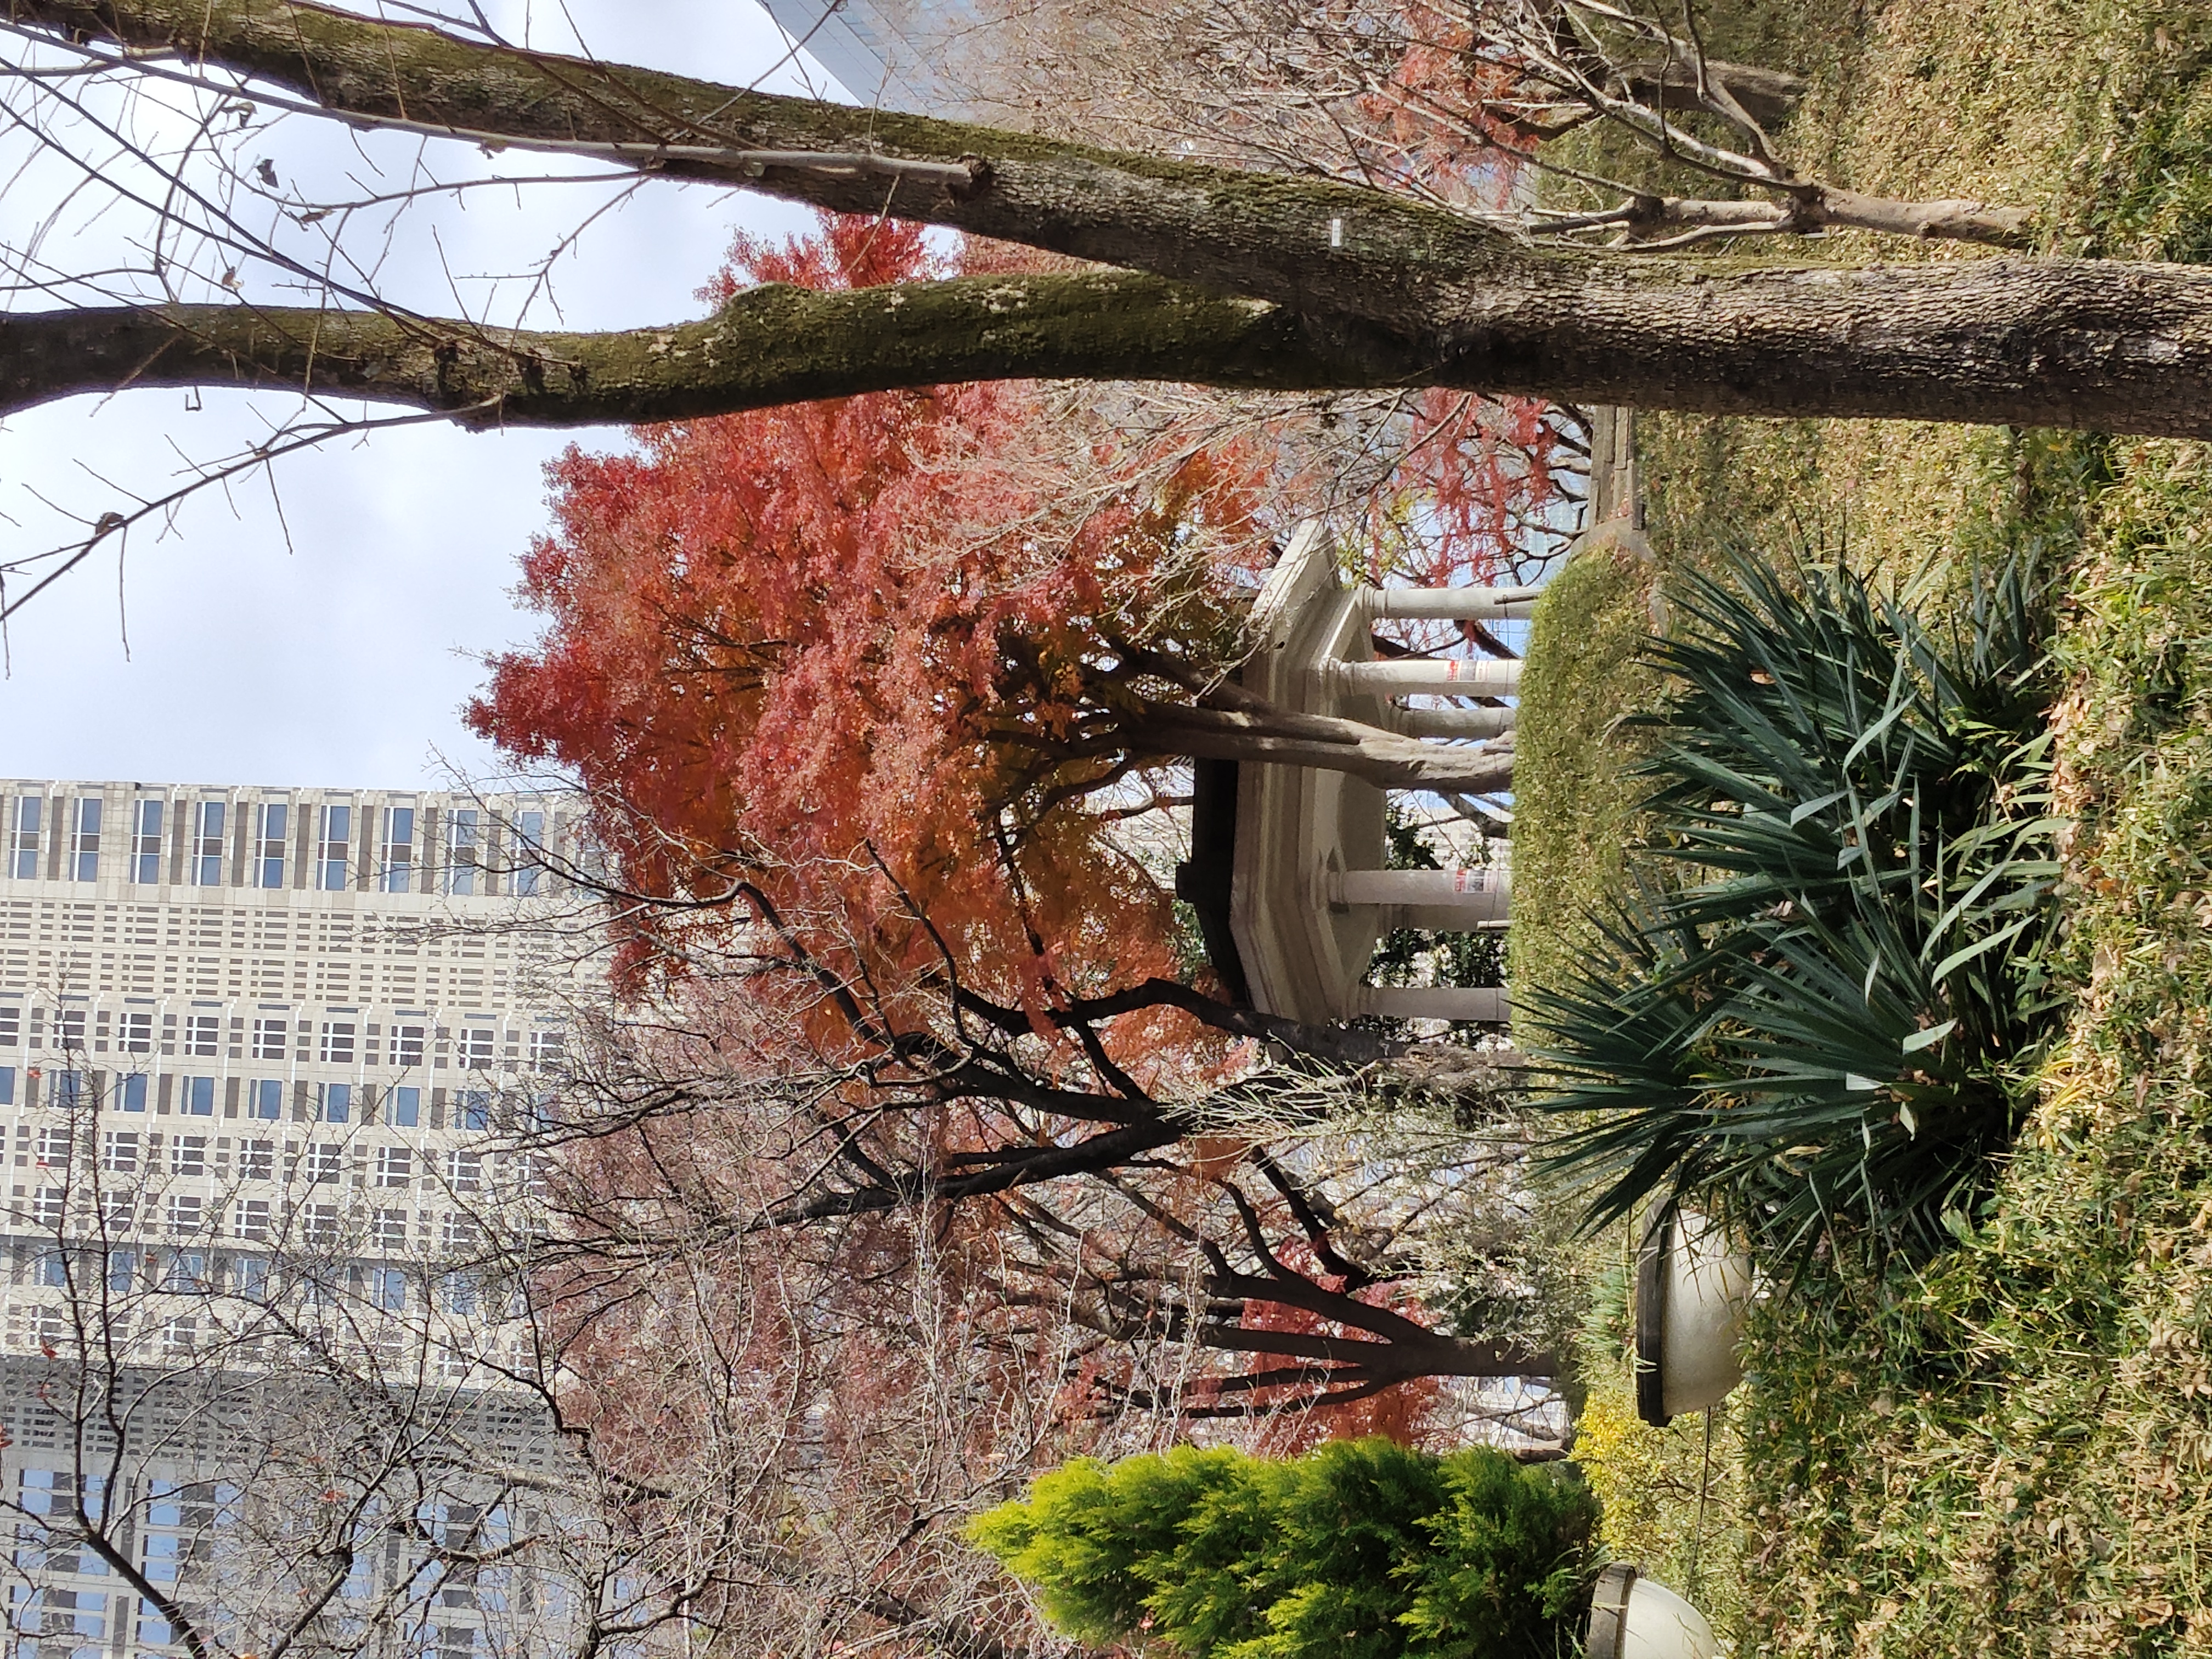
263	1056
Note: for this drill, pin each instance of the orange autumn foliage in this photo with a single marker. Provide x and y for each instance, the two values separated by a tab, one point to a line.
793	641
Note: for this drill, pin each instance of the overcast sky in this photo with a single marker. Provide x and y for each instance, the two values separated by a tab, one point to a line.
228	651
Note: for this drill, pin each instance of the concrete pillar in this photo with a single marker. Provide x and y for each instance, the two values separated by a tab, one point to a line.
1405	677
1472	896
1455	722
1491	1005
1446	604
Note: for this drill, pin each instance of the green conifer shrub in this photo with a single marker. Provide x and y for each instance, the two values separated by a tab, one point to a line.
1358	1550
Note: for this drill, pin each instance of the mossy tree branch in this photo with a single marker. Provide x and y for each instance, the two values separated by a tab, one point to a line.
773	345
1366	288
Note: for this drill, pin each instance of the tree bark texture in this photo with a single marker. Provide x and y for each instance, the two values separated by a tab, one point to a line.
1768	96
1818	207
772	345
1382	758
1379	289
1393	1349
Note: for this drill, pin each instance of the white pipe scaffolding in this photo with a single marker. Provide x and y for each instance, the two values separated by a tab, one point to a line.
1445	603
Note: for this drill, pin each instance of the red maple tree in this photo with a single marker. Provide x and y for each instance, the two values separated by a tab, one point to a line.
819	660
815	639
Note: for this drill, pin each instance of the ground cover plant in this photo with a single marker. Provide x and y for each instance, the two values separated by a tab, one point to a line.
2016	1438
2007	1448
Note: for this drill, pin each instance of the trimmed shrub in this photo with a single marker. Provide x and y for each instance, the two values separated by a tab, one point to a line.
1358	1550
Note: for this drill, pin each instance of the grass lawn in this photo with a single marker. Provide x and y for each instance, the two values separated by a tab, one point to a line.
2008	1450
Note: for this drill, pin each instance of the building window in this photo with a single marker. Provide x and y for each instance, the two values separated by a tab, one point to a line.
136	1034
337	1043
133	1096
250	1219
183	1271
183	1218
391	1231
333	846
122	1271
405	1109
11	1027
548	1049
196	1096
117	1210
52	1270
396	860
264	1098
7	1085
406	1045
252	1273
84	839
458	1291
387	1289
71	1089
206	859
395	1166
48	1205
533	1171
322	1226
472	1047
256	1160
325	1162
529	851
188	1155
271	1038
118	1152
202	1036
473	1108
465	1171
68	1029
337	1103
146	842
56	1142
23	826
461	850
270	820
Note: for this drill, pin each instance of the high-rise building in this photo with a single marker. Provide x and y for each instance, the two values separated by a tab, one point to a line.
268	1058
889	54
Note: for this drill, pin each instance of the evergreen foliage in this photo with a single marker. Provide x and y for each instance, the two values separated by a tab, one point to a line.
1818	1003
1358	1550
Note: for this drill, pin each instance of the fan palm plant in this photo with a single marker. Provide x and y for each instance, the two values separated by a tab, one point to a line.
1815	1003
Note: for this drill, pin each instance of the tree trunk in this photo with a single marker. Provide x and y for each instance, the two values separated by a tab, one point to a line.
1375	283
772	345
1768	96
1816	207
1394	1349
1286	738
